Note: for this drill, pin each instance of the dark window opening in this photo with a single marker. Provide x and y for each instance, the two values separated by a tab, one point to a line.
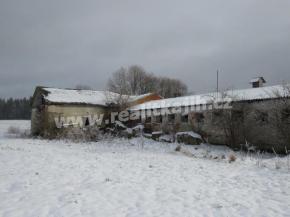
148	120
158	119
42	100
256	84
184	118
87	122
171	118
199	117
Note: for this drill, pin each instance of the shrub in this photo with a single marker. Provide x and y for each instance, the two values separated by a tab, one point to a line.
178	148
14	130
232	158
17	132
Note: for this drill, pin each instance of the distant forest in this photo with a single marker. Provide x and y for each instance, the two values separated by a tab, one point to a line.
15	109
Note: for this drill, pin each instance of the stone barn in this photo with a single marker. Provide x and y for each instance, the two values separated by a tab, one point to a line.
259	116
54	108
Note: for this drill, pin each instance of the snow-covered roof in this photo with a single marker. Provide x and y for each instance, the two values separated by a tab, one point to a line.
72	96
234	95
56	95
254	80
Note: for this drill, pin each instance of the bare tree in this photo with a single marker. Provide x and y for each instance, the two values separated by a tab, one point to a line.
232	124
136	81
229	120
150	84
171	87
119	82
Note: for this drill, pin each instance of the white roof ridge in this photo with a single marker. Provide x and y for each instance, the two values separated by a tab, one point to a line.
79	96
199	99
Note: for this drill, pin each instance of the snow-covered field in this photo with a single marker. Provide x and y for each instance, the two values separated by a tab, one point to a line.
120	178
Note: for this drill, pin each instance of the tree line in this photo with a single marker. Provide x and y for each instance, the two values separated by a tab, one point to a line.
15	109
135	80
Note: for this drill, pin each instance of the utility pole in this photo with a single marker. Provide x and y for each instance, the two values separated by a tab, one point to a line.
217	80
217	83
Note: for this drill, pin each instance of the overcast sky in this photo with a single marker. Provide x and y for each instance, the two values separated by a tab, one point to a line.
62	43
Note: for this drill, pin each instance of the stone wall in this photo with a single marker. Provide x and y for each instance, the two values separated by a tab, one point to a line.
68	115
247	122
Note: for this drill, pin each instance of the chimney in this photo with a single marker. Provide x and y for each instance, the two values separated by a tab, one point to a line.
257	82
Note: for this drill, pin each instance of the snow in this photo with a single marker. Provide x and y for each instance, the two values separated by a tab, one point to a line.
253	80
117	177
120	124
138	127
77	96
189	133
258	93
57	95
166	138
21	125
202	99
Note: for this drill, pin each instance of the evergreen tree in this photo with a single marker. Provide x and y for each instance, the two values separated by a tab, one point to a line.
15	109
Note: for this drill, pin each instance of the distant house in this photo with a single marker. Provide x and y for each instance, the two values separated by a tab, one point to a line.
54	108
257	82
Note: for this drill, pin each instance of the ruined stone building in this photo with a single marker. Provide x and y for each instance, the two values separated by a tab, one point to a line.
259	116
54	108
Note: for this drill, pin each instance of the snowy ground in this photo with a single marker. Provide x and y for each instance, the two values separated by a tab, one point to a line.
120	178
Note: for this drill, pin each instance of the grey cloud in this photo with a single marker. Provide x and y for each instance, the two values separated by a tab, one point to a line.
64	43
